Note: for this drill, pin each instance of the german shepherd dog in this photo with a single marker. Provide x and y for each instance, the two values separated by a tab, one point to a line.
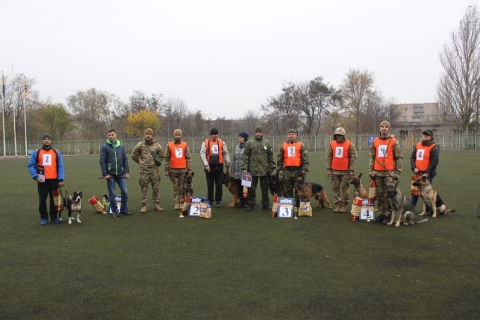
307	190
189	186
275	185
402	209
431	199
74	204
232	186
359	190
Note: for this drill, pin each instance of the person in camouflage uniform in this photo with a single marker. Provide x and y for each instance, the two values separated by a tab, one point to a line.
149	154
341	161
386	162
258	159
178	163
292	158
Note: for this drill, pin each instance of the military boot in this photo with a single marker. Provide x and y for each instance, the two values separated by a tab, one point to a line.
177	206
337	208
157	208
144	209
343	207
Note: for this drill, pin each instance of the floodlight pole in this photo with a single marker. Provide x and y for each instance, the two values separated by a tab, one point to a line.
476	121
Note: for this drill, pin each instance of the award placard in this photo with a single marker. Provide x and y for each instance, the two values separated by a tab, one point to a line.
246	179
195	206
285	208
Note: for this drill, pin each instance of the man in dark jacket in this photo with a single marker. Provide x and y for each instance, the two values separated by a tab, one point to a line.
114	165
424	159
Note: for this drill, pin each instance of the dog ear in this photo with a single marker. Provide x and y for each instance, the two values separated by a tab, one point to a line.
424	178
360	175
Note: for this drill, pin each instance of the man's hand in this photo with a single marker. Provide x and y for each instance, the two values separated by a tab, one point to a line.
60	184
415	170
166	173
107	177
207	168
127	175
39	180
280	172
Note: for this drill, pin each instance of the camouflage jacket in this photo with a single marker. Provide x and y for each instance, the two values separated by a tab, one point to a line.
168	156
397	156
352	159
305	160
258	157
142	154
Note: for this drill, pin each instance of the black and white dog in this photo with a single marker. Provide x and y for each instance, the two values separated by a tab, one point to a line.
74	204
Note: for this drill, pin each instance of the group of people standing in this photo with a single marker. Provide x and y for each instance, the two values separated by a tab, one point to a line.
255	156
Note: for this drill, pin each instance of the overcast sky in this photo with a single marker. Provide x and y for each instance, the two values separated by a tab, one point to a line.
224	57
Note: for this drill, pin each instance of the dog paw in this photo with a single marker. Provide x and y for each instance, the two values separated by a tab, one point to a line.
180	216
422	214
434	216
79	221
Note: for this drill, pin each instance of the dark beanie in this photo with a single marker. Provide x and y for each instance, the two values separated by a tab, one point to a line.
214	131
244	135
47	135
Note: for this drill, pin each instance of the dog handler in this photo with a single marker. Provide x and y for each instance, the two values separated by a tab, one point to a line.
178	163
386	162
236	172
424	159
114	166
291	159
149	155
341	161
49	161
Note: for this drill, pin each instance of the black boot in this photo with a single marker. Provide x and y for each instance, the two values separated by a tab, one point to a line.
249	207
379	218
241	204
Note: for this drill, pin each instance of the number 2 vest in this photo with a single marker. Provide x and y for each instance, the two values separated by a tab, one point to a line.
292	154
177	155
340	155
48	159
384	159
422	158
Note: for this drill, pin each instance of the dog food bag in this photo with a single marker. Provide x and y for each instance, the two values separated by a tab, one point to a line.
305	209
97	205
414	190
206	211
372	192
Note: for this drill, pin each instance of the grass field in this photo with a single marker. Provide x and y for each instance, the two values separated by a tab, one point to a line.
237	265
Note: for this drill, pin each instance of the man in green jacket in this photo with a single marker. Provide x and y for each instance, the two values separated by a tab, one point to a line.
258	160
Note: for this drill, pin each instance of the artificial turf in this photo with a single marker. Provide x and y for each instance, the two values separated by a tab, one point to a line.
237	265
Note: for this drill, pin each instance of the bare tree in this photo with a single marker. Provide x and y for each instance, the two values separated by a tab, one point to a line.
174	111
459	89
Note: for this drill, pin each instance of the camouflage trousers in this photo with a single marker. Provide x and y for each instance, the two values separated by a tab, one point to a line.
383	203
289	177
179	184
341	187
253	190
152	177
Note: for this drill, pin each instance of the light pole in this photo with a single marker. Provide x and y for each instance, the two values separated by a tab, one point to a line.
476	118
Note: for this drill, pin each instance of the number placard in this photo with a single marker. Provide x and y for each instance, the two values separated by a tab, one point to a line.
367	213
195	206
285	208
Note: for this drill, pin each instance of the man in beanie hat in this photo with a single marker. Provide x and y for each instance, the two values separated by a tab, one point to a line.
178	163
386	162
46	168
292	158
341	162
214	155
236	172
114	166
258	160
149	155
424	159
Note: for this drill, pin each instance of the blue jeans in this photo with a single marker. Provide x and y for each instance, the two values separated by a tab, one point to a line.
414	199
122	184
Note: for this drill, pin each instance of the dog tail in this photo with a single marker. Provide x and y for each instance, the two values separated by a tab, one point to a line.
421	221
450	210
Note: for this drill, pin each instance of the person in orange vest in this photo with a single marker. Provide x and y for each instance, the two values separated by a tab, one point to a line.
424	159
46	168
292	157
341	162
177	163
214	155
386	163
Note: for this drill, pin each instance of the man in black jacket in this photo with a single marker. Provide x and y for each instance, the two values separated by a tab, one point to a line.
114	165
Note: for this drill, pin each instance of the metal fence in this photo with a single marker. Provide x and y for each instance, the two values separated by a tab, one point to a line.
446	141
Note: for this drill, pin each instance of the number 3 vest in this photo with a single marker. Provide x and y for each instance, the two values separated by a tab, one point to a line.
340	155
177	155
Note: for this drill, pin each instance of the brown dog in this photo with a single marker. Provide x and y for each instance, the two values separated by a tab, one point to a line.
307	190
431	199
359	190
188	193
229	182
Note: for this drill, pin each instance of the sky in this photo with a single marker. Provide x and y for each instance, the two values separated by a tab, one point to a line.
225	57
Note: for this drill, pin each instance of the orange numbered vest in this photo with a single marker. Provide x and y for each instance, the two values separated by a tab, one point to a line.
177	155
384	159
211	145
292	154
422	157
340	155
48	159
